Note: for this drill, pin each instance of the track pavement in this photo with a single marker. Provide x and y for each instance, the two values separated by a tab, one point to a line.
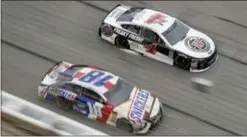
61	31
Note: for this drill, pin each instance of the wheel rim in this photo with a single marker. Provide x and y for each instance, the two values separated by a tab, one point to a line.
122	43
182	62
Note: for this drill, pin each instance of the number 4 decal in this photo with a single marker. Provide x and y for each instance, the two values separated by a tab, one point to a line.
94	75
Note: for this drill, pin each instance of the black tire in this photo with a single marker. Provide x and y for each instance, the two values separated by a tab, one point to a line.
124	125
122	42
64	103
99	32
182	62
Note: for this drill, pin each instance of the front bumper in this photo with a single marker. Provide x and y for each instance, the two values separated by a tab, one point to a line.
152	124
209	62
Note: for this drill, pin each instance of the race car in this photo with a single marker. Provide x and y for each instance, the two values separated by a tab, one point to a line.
159	36
101	96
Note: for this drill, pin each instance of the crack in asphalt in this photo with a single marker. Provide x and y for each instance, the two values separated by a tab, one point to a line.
164	104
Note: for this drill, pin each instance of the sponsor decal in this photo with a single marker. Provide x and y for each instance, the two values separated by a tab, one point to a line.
171	54
67	94
197	44
137	109
128	35
107	30
156	19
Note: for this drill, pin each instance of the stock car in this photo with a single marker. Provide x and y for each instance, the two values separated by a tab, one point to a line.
101	96
159	36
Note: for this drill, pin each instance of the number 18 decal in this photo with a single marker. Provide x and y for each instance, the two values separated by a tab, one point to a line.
94	75
95	109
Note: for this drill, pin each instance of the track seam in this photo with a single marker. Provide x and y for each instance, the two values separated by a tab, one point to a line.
166	105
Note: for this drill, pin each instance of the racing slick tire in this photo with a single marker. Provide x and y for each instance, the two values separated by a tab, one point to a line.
182	61
64	103
99	32
125	125
122	42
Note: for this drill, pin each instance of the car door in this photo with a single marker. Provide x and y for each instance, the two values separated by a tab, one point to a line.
155	47
134	39
93	105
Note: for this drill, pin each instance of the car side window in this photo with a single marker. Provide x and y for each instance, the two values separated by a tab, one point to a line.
149	34
161	43
93	95
74	88
133	28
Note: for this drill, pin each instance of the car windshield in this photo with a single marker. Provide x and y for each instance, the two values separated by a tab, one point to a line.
176	32
119	93
130	14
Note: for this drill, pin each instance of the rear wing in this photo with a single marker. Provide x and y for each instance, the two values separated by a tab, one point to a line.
115	12
63	65
58	64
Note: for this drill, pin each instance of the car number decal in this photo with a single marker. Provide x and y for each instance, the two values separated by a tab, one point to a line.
97	78
95	109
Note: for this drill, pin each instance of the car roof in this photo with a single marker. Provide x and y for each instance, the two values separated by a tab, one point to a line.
109	84
144	19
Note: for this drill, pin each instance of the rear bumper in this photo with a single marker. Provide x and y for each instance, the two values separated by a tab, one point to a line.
110	12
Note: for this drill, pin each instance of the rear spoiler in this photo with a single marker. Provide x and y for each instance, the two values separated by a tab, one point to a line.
56	65
71	65
110	12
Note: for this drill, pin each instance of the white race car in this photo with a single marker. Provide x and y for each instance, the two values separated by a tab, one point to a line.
101	96
159	36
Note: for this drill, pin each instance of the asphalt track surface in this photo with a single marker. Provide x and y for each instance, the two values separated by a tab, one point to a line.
68	31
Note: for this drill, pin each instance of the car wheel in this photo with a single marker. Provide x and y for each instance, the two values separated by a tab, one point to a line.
182	61
99	32
64	103
124	125
122	42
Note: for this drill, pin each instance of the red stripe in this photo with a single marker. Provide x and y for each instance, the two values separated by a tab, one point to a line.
108	85
79	74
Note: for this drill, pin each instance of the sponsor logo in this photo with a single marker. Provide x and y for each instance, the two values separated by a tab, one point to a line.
128	35
107	30
61	92
137	109
197	44
156	19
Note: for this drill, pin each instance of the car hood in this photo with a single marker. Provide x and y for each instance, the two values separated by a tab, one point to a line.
140	105
196	44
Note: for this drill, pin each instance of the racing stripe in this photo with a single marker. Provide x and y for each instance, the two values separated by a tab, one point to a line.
79	74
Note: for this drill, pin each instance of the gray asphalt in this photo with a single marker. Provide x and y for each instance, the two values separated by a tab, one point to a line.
68	31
